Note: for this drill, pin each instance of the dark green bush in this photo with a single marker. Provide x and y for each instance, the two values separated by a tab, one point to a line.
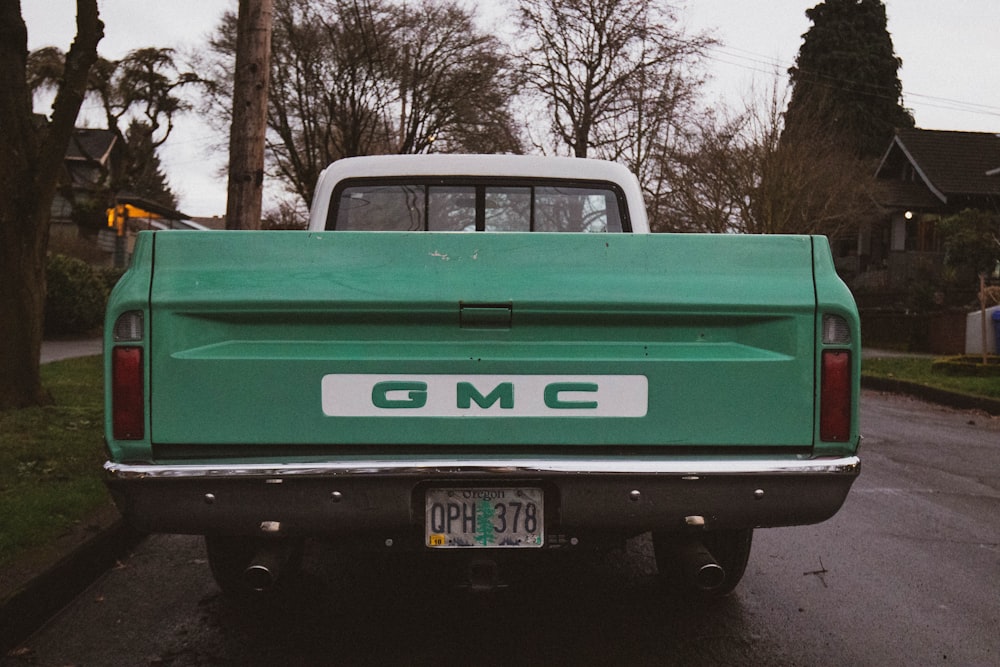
77	295
110	276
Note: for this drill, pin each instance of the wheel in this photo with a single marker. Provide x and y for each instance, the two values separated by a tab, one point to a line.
729	548
230	558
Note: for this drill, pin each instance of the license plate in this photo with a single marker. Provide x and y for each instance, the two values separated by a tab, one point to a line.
477	517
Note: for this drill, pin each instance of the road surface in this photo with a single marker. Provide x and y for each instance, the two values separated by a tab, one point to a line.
908	573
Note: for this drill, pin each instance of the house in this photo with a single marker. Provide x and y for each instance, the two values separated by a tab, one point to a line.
897	272
91	157
91	221
923	176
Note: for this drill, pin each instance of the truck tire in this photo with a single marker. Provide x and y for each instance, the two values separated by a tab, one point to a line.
730	548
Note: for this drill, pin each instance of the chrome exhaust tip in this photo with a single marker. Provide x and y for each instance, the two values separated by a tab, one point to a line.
265	568
699	566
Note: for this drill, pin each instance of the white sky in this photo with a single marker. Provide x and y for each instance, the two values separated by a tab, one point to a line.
950	54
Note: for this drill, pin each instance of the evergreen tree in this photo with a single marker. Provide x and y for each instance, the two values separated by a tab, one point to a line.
846	77
144	176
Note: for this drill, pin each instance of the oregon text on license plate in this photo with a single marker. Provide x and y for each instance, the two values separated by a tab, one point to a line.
484	517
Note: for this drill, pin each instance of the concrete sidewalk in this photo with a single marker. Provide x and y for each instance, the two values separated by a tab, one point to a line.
56	350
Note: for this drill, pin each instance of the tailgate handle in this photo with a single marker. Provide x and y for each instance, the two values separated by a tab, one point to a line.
484	315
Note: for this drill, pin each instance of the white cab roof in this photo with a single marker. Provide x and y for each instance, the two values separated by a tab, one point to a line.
504	166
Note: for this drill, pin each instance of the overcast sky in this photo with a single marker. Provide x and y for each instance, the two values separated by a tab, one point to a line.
951	80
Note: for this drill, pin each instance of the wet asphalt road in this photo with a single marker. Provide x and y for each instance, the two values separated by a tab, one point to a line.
908	573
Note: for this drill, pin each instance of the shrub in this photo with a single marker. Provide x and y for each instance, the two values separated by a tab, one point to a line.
76	297
110	276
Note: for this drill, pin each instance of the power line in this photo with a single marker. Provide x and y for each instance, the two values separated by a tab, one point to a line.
755	62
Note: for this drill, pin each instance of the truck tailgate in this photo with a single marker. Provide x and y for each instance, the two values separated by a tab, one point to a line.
268	340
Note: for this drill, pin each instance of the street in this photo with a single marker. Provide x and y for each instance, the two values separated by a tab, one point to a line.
908	573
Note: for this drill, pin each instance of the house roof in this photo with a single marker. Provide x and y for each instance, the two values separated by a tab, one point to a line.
905	195
950	164
92	144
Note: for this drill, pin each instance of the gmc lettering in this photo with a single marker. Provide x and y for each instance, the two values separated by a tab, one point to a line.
366	395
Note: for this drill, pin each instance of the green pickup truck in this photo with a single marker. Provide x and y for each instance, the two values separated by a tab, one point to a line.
483	356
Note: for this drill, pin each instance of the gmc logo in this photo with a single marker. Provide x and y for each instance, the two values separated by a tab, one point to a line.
375	395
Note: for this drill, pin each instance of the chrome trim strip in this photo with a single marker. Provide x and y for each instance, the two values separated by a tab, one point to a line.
520	466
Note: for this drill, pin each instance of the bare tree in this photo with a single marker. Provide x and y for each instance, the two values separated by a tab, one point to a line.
359	77
746	174
660	121
607	68
706	185
326	86
454	83
31	154
804	182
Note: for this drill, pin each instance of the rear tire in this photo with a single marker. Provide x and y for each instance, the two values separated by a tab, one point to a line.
730	548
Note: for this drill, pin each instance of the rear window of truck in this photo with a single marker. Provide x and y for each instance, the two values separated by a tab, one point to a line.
444	205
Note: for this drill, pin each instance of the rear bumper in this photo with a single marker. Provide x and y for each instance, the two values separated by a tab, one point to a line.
384	498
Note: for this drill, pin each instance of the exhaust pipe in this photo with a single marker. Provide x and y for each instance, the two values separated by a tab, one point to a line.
699	566
265	567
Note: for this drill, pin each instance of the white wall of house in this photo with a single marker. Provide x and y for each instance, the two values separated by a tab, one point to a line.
898	240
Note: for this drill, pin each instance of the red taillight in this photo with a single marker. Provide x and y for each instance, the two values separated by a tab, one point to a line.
835	396
127	401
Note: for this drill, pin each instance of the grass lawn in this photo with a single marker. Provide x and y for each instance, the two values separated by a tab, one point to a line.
51	458
918	370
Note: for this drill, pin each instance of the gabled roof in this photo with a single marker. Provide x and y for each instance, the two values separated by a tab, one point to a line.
950	164
91	145
905	194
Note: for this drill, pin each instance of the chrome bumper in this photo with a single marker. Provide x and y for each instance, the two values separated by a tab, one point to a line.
385	496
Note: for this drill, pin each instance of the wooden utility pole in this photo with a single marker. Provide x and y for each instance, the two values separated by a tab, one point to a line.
246	136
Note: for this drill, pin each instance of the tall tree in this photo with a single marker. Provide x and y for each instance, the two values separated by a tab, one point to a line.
359	77
145	175
31	155
454	85
846	76
140	96
600	64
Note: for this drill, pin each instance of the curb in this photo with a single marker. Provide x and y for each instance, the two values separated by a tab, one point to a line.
948	398
41	598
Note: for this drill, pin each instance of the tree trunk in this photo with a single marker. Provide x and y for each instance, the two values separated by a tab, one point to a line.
246	136
22	301
31	157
